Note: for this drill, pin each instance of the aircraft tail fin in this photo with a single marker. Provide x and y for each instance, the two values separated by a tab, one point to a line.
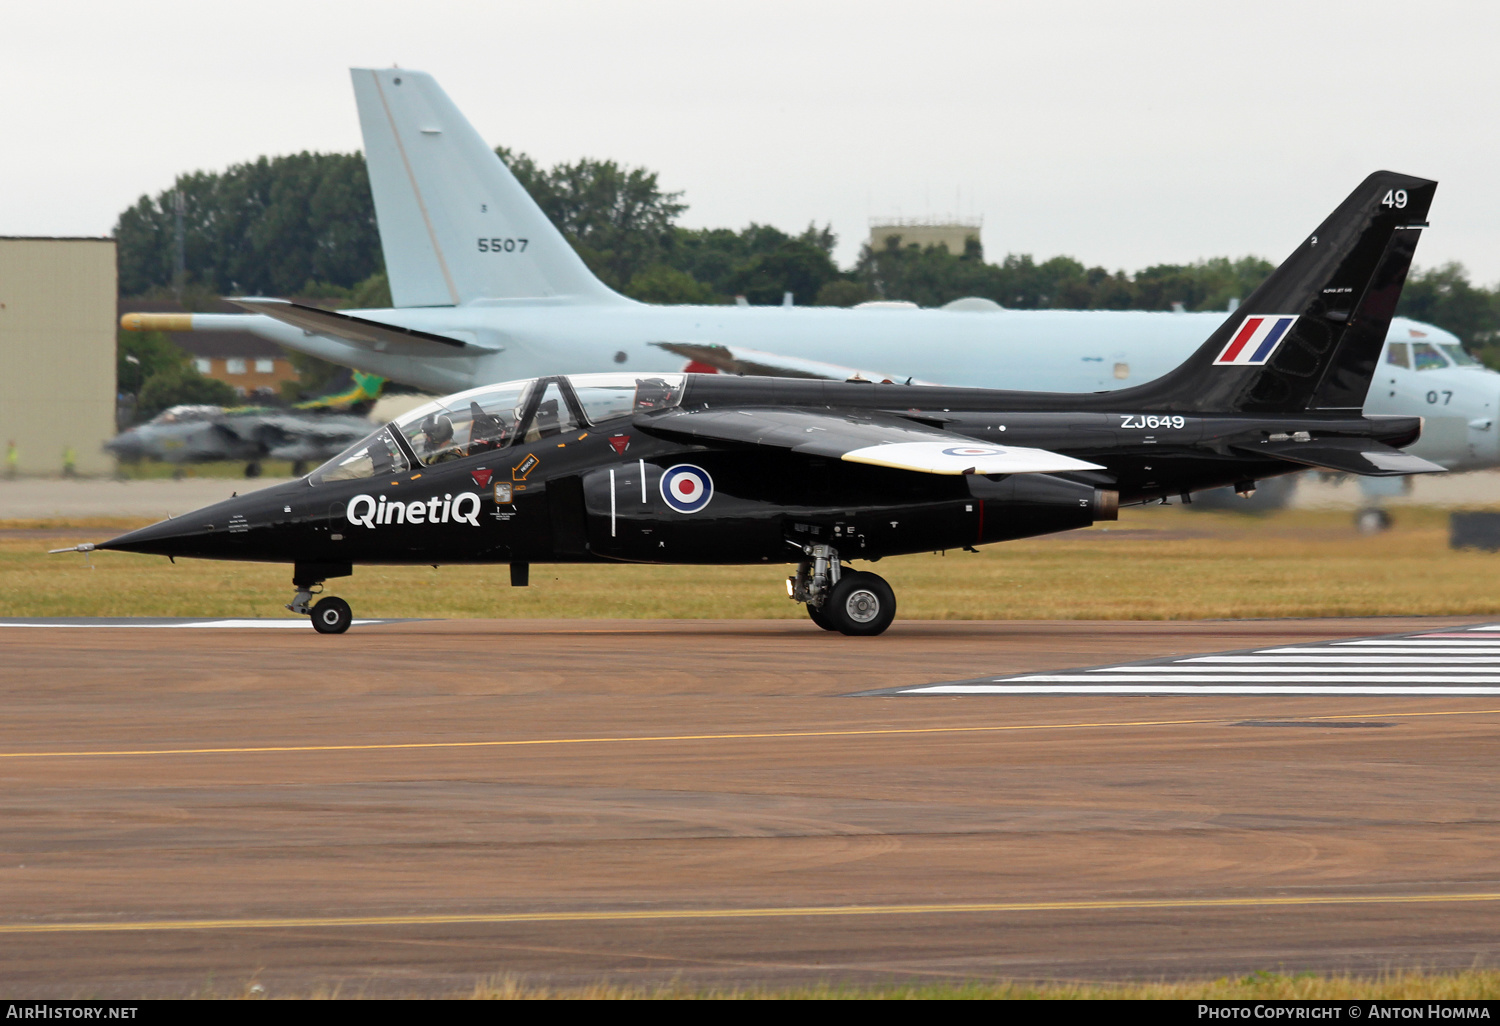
1310	336
455	224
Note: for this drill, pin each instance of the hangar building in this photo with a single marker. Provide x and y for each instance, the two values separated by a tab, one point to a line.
57	354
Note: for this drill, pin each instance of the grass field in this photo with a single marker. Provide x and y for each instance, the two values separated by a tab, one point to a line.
1469	985
1402	985
1155	563
1475	984
150	470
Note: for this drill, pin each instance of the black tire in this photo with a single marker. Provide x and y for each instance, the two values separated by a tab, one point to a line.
816	616
1372	521
252	469
332	616
860	605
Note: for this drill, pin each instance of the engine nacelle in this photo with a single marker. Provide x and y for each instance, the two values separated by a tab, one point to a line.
1024	505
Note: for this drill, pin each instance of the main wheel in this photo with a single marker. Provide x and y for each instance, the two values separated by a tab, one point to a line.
861	604
332	616
1372	520
816	616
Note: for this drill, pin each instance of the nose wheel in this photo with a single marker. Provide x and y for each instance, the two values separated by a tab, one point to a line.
332	615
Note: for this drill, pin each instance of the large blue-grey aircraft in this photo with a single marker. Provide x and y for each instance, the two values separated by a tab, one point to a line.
486	289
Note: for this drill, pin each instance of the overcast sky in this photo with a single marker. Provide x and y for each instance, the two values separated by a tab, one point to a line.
1123	134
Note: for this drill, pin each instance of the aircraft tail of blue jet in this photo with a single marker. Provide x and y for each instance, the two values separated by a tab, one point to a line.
455	224
1310	336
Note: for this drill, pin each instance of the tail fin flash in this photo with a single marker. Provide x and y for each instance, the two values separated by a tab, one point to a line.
455	224
1311	335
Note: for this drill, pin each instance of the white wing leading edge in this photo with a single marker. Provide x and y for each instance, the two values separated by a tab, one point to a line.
964	457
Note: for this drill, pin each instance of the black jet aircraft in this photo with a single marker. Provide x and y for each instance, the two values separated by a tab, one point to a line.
698	468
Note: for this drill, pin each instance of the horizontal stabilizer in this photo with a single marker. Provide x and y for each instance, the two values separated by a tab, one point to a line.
1345	455
886	442
757	363
359	331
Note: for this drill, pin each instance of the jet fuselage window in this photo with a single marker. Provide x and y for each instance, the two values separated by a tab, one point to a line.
1399	355
1426	357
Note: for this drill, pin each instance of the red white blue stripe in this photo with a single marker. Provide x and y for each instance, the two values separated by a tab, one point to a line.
1256	340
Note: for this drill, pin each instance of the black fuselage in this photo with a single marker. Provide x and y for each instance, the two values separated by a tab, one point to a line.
596	493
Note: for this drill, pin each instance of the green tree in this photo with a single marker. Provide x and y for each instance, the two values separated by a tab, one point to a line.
669	286
933	276
141	354
176	386
842	292
795	266
267	227
617	218
1444	296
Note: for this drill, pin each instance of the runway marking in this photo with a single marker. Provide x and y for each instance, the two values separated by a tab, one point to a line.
1447	662
787	912
657	738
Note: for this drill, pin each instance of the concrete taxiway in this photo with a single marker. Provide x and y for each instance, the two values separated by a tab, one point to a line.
415	805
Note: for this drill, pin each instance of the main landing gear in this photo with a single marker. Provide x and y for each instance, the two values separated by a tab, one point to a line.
330	615
848	601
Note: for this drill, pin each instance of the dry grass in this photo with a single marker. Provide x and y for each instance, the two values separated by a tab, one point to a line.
1157	563
1469	985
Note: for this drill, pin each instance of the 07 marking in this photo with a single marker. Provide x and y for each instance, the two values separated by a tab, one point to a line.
1136	420
502	245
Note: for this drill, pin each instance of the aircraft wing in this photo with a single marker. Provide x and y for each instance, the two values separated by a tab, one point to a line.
1347	455
885	442
757	363
359	331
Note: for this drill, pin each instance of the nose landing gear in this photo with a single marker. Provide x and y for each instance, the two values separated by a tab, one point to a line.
331	615
855	603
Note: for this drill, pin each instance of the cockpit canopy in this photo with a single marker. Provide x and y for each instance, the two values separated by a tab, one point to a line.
1429	356
186	414
494	417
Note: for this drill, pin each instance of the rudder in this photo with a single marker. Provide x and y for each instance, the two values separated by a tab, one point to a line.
1310	336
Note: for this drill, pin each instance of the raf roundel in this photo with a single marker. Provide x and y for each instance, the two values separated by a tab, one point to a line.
973	450
686	488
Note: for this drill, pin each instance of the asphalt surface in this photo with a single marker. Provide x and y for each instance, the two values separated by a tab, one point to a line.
414	806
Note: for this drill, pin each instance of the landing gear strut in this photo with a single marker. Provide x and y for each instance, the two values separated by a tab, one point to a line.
850	602
331	615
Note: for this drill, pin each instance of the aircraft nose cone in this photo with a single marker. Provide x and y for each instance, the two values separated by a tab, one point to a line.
125	447
169	538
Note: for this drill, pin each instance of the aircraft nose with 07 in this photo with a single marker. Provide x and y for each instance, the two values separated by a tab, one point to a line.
685	468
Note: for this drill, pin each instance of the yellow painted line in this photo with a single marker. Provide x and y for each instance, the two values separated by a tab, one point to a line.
659	915
659	738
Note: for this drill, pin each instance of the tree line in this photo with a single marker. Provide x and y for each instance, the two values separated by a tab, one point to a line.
304	225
